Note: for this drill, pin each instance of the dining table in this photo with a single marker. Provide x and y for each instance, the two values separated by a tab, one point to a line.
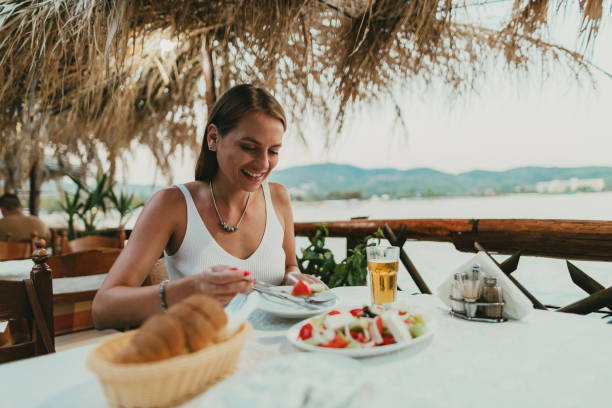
546	359
19	269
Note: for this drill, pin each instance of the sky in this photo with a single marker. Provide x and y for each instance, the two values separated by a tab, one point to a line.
512	121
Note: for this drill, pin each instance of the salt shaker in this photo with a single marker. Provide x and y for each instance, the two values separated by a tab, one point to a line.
457	294
492	293
471	287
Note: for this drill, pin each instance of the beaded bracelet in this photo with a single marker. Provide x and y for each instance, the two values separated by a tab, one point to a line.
162	294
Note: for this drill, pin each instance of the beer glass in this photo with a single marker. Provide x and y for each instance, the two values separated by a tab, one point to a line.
382	273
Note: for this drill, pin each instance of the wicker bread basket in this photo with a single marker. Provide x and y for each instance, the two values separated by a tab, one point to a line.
166	382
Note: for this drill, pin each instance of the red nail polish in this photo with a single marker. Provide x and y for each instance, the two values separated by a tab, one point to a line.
247	273
233	269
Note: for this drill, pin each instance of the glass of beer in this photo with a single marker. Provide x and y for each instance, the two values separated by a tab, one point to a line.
382	273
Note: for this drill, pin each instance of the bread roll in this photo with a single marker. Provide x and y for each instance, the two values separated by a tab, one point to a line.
188	326
209	308
199	332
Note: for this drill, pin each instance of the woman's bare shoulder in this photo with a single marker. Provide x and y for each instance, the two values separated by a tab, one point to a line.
279	194
281	201
167	197
168	201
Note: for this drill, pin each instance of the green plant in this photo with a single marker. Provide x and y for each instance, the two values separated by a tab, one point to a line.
71	206
352	271
125	204
88	202
318	259
94	201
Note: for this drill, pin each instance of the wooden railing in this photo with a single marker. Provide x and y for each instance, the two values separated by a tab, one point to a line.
565	239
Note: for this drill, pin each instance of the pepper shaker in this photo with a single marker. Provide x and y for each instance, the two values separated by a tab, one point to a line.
492	293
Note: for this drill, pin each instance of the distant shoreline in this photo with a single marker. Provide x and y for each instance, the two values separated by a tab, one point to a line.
445	196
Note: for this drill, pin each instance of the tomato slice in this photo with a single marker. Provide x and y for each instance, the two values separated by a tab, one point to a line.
301	289
357	312
359	336
337	342
388	340
306	331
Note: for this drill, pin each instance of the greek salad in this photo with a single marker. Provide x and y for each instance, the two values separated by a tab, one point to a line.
365	327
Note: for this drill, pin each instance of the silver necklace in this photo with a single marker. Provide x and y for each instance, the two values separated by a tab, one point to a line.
228	228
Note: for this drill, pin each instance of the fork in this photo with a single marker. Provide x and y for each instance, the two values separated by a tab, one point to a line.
327	295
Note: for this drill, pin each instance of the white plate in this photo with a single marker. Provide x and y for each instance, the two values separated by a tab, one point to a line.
286	309
294	331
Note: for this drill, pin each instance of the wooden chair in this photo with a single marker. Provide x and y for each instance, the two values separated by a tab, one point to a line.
93	242
10	250
72	311
158	273
31	301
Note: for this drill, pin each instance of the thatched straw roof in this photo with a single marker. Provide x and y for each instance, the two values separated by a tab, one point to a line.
85	75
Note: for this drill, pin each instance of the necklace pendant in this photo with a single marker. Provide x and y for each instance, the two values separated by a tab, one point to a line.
228	228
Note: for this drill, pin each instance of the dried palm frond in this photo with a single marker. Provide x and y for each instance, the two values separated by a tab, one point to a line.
106	74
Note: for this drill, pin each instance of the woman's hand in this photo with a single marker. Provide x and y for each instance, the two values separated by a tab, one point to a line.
223	282
291	278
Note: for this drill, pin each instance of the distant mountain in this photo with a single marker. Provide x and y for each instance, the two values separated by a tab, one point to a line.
333	180
321	180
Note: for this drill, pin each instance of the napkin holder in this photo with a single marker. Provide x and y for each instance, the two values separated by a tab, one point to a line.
516	304
477	318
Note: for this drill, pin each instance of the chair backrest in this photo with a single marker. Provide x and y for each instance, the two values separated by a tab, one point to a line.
158	273
92	242
10	250
30	302
72	311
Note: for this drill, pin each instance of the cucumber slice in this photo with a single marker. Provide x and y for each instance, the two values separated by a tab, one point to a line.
416	330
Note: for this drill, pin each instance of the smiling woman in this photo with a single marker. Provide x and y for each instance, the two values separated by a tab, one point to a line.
219	233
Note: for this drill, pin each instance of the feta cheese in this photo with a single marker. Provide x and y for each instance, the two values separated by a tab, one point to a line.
396	327
338	321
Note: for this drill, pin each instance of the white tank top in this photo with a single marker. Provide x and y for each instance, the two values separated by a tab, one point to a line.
199	250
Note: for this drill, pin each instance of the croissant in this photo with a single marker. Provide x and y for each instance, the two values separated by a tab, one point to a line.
190	325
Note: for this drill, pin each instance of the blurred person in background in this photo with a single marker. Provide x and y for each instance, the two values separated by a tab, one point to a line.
17	226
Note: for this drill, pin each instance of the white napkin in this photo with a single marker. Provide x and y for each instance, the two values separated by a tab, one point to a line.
517	305
239	310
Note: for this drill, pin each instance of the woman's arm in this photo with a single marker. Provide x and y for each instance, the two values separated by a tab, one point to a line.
283	205
122	302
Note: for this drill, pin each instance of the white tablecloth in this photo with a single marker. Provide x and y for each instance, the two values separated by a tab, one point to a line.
20	269
547	359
